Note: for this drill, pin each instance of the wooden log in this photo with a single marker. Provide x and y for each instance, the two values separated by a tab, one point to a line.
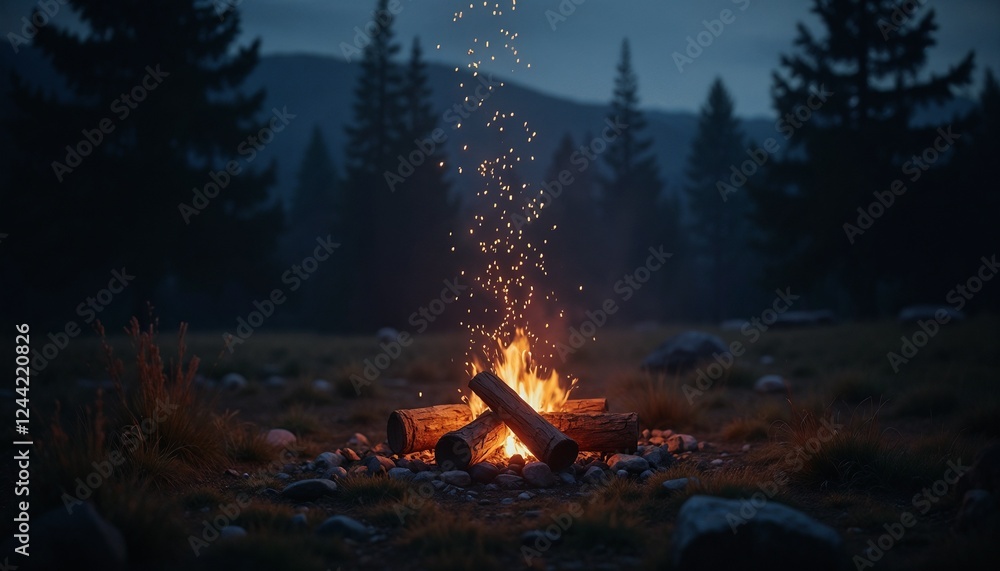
598	432
416	429
459	449
544	441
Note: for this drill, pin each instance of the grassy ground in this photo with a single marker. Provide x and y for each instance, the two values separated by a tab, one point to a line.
898	431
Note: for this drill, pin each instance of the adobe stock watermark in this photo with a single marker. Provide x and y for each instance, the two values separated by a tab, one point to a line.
293	278
626	288
922	503
958	296
900	16
786	126
453	116
421	320
130	440
87	310
365	34
914	168
753	330
581	159
121	107
697	44
44	12
220	179
563	11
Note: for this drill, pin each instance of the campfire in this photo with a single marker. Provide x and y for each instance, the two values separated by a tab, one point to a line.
513	410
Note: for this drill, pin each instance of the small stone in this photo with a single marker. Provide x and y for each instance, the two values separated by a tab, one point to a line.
280	438
656	440
514	469
349	454
322	385
538	474
656	432
233	473
459	478
682	443
232	532
628	462
439	485
345	526
746	448
566	477
509	481
506	501
645	475
234	381
646	433
622	474
298	520
677	484
336	473
375	462
309	490
658	457
770	384
358	440
427	476
327	460
282	476
400	474
483	472
595	475
717	462
525	496
516	459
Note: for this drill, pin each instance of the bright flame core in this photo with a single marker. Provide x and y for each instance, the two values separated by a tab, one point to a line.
514	365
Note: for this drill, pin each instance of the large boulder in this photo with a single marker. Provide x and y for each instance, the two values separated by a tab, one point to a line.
684	351
714	533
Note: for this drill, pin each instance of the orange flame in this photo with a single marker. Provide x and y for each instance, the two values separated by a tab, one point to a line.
514	365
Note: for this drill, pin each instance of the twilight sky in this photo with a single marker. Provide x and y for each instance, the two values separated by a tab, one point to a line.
576	60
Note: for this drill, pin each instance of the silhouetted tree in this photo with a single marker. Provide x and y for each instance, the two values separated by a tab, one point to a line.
718	214
129	168
314	201
847	102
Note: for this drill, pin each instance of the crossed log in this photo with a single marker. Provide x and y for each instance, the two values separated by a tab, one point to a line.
554	437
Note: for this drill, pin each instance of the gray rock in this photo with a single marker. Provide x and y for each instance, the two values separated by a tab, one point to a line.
234	381
309	490
232	532
770	384
483	472
428	476
322	385
538	474
76	539
622	474
280	438
677	484
566	477
684	351
282	476
658	457
374	463
595	475
298	520
458	478
506	501
525	496
439	485
344	526
328	460
716	533
401	474
387	334
509	482
717	462
336	473
682	443
628	462
358	440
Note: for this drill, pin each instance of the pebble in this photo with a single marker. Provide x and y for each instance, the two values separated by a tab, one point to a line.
483	472
232	532
525	496
425	476
337	472
645	475
234	381
328	460
622	474
595	475
717	462
506	501
682	443
282	476
456	478
345	526
298	520
349	454
358	440
677	483
375	462
746	448
509	481
280	438
400	474
566	477
309	490
628	462
538	474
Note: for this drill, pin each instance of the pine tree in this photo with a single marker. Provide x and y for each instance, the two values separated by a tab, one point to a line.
373	143
314	201
846	104
718	214
153	117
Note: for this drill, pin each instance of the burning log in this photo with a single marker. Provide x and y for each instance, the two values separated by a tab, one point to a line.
544	441
416	429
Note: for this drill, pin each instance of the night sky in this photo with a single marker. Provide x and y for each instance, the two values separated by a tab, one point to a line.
577	59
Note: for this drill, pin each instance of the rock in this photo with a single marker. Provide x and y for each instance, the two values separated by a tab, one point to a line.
358	440
234	381
538	474
378	463
322	385
677	484
516	459
646	475
682	443
387	334
282	476
684	351
428	476
275	382
232	532
439	485
344	526
658	457
509	482
525	496
327	460
483	472
349	455
912	314
309	490
776	538
622	474
746	448
298	520
566	477
770	384
514	469
534	537
338	472
458	478
76	539
628	462
280	438
717	462
595	475
978	512
766	360
400	474
506	501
